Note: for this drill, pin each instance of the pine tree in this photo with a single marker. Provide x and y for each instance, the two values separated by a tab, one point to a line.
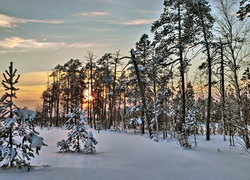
90	68
200	10
173	33
18	137
77	132
191	124
105	64
143	51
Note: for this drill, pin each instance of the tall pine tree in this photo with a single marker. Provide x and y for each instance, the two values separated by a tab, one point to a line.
18	137
173	34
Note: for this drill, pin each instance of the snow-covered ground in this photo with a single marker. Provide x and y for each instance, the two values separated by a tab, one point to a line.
125	156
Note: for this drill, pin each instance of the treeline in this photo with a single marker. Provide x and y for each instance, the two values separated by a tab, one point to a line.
153	91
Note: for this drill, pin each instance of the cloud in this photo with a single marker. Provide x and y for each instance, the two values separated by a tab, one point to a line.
141	11
11	22
7	21
97	13
17	43
137	22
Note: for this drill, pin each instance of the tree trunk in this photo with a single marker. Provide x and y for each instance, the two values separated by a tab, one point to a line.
223	94
182	70
209	59
142	94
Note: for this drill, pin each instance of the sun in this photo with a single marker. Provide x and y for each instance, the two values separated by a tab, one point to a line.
88	96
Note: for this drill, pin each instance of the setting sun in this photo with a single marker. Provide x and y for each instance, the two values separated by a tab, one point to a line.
87	95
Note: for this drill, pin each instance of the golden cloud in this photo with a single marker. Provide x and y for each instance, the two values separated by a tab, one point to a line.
98	13
137	22
19	43
11	22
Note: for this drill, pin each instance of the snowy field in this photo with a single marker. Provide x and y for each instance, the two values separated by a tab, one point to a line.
125	156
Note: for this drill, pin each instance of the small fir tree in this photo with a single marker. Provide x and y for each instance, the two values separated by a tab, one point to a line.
77	134
190	125
18	138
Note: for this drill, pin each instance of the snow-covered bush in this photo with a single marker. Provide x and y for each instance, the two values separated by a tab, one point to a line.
18	138
77	134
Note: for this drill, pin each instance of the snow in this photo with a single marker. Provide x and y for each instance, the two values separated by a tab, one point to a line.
26	114
127	156
36	141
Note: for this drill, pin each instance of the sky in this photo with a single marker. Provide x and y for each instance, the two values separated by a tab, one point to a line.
37	35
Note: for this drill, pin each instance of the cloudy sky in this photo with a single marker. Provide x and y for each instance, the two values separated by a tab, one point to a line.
39	34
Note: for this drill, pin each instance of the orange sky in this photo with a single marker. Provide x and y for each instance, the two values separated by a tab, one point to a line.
31	86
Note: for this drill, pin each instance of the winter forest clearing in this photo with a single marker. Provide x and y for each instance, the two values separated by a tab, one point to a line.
126	156
149	92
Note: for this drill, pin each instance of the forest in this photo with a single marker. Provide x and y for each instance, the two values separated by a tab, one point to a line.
152	90
156	90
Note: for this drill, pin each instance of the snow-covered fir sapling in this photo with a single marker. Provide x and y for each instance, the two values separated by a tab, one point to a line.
77	134
18	138
190	126
89	144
